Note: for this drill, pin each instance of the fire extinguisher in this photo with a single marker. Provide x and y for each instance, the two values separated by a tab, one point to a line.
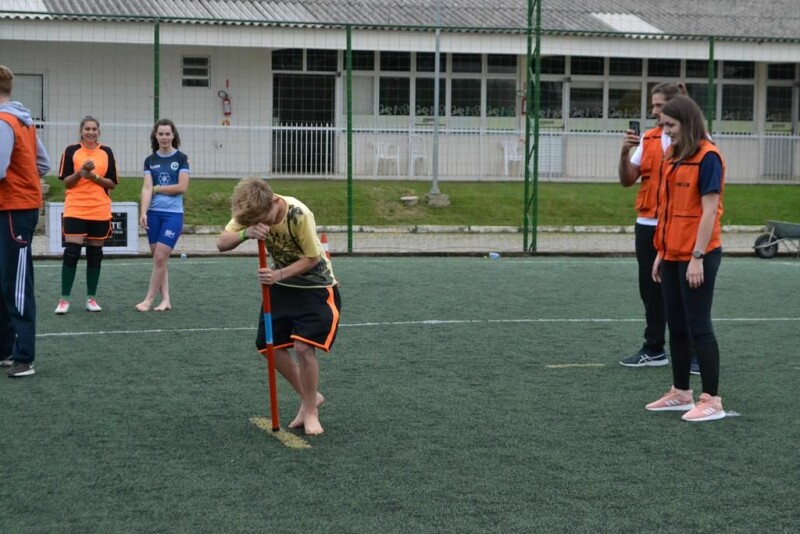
226	103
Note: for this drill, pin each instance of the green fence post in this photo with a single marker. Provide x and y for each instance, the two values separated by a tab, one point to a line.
349	95
156	71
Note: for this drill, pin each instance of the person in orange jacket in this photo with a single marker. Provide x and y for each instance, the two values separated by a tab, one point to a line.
644	166
23	161
689	245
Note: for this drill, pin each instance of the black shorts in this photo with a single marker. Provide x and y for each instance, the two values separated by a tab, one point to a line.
309	315
72	226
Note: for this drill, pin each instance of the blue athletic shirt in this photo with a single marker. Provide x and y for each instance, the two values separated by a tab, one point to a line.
164	170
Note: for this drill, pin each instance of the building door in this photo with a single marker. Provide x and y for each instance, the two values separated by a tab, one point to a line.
303	106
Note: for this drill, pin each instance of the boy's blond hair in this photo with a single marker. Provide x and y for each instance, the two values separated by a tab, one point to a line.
6	80
251	201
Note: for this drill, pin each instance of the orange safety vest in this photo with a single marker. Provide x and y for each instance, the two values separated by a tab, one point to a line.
86	199
21	189
680	206
650	170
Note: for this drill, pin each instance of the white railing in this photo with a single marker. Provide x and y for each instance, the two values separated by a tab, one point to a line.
320	151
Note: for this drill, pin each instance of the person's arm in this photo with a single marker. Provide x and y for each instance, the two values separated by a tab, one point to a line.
269	276
6	147
627	171
710	185
146	197
230	238
110	180
42	158
176	189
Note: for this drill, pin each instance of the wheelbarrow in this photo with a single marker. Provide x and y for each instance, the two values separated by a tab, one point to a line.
766	245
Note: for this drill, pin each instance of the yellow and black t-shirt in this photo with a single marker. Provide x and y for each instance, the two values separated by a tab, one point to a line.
87	199
293	238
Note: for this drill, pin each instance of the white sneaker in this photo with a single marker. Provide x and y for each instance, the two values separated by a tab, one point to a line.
63	307
92	305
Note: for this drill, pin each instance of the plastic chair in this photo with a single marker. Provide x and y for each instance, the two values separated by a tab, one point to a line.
386	152
511	154
416	152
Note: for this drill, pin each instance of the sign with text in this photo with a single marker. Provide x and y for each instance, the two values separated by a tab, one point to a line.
124	228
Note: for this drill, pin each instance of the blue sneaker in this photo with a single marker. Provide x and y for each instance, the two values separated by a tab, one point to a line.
644	359
695	367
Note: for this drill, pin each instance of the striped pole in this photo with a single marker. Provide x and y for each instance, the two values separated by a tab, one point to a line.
273	388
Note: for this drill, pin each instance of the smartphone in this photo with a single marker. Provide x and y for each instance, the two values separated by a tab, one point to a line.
634	125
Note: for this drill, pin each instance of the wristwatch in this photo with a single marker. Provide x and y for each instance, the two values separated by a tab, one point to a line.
697	254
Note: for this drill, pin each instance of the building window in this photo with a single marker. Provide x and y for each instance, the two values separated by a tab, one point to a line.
424	100
288	59
426	62
586	101
698	68
394	96
625	67
553	65
551	100
195	72
363	60
466	63
699	93
781	71
779	104
737	102
501	98
501	64
664	68
322	60
739	70
466	98
593	66
396	61
625	101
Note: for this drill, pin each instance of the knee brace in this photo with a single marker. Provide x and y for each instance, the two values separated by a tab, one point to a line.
94	257
72	253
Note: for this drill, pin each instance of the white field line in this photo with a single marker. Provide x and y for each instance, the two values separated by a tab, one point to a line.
428	322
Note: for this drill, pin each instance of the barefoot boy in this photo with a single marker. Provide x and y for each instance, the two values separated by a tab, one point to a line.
303	291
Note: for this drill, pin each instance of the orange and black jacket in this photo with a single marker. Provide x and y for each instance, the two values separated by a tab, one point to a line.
680	206
650	171
21	189
87	199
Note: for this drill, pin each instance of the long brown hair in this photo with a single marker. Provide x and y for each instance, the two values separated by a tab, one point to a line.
686	111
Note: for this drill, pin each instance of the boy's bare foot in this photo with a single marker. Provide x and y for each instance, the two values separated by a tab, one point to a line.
144	305
164	306
312	425
299	419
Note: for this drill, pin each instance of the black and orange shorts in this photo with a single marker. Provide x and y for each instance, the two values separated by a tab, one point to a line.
310	315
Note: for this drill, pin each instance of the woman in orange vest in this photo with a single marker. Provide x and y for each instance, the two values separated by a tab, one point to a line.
89	172
689	254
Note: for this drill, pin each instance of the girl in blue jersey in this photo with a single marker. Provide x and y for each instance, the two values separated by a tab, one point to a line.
166	179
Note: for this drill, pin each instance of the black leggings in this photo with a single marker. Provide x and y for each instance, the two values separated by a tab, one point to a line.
689	318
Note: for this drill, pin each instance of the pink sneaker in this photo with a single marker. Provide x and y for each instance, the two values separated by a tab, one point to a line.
63	307
708	408
92	305
675	400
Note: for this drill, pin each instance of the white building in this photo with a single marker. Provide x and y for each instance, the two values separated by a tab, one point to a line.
282	67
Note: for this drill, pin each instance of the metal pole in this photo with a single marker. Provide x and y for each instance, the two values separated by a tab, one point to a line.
348	62
156	71
711	92
435	155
